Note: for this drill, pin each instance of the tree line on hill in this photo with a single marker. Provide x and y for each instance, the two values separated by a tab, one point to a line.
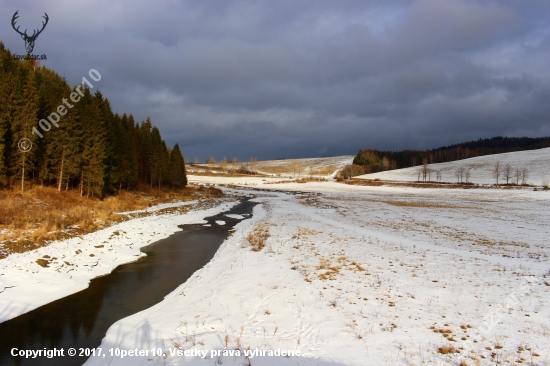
372	161
89	147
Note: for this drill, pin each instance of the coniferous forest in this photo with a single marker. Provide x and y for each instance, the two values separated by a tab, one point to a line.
93	149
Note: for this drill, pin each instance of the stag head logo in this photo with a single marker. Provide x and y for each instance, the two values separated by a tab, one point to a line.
29	40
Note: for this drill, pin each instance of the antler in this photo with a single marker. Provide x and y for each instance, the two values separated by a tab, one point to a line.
36	31
15	16
34	35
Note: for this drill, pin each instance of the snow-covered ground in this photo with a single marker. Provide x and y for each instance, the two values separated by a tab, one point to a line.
536	163
349	275
308	166
69	265
286	168
355	275
239	181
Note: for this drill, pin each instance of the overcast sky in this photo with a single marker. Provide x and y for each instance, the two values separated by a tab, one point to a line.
297	78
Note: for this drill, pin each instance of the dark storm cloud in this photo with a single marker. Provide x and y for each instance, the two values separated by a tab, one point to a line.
305	78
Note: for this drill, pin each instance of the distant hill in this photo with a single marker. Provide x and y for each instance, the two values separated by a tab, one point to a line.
530	166
376	161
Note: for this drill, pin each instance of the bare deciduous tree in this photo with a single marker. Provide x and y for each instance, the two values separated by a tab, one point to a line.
223	164
424	168
496	170
351	170
467	175
459	174
253	161
211	160
296	167
507	172
524	174
196	159
517	175
386	164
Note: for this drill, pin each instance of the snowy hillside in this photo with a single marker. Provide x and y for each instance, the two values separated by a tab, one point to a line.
286	168
535	162
311	166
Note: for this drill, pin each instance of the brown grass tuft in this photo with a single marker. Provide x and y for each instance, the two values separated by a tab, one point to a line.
257	237
444	350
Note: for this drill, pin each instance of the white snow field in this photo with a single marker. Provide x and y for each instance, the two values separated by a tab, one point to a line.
536	163
305	167
355	275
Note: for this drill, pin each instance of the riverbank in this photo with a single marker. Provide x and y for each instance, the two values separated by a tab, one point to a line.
41	214
34	278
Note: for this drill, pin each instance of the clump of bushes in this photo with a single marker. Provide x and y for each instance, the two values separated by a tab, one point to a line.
349	171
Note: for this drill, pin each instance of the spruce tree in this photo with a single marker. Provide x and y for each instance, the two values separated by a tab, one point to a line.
129	163
145	151
24	119
93	146
62	157
177	176
7	97
157	157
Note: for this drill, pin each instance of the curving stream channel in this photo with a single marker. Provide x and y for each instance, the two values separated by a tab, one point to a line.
82	319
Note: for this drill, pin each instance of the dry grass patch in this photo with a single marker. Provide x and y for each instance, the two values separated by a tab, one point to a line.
448	349
330	271
305	232
33	218
420	204
257	237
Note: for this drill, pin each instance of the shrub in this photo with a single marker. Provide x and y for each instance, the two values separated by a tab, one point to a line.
243	169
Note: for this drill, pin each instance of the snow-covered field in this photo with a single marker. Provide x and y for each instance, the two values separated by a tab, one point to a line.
309	166
285	168
536	163
354	275
238	181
